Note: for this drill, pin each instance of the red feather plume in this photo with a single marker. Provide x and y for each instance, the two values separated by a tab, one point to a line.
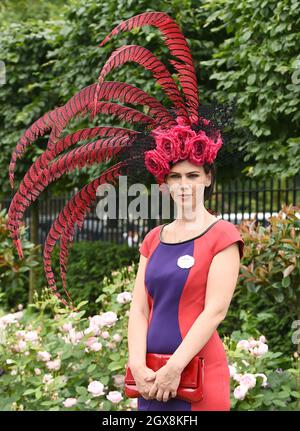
100	143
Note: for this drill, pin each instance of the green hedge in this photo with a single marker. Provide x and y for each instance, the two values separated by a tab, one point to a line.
88	263
14	280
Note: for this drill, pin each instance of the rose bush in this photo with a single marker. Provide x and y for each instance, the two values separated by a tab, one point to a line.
51	359
257	380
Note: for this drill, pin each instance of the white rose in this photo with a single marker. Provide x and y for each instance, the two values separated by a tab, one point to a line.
253	343
47	378
248	380
12	317
117	338
96	320
70	402
114	396
105	334
90	341
260	350
67	327
124	297
96	388
92	329
243	345
21	345
240	392
237	377
96	347
44	356
232	370
53	365
79	335
109	318
31	336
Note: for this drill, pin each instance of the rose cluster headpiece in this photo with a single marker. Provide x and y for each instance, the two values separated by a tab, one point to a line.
181	143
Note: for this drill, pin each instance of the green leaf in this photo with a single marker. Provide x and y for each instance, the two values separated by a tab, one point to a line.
246	36
114	366
81	390
286	281
251	79
279	403
38	394
29	391
279	296
91	368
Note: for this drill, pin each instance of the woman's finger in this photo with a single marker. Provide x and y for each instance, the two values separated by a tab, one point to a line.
153	390
159	394
166	396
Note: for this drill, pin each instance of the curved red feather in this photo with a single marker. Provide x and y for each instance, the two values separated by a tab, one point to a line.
93	152
31	176
145	58
127	93
178	46
55	120
64	225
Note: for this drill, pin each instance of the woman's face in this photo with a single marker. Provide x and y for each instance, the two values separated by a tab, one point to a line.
186	182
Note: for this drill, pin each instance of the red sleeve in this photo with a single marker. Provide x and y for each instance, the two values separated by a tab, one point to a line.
144	246
227	236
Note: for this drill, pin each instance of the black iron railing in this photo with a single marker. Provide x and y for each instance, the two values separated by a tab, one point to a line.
234	201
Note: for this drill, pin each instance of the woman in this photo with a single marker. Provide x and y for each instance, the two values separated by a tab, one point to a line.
177	310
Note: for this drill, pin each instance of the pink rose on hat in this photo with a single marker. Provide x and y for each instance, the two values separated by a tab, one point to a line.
157	164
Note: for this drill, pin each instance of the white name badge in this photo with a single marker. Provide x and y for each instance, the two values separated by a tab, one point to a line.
185	261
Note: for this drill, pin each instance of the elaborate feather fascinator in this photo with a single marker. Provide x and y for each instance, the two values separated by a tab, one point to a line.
187	130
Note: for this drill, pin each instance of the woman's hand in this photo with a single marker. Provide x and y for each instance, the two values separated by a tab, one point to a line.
140	375
167	380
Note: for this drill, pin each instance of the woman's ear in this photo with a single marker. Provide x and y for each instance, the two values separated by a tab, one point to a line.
208	179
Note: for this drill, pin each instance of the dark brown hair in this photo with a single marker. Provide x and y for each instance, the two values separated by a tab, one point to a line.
209	190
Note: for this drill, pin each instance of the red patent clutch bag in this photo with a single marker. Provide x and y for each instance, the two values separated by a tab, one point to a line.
191	383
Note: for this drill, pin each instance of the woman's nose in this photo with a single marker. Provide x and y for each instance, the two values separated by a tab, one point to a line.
185	184
182	180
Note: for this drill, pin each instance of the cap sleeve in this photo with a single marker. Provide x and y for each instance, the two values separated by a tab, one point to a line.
227	236
144	246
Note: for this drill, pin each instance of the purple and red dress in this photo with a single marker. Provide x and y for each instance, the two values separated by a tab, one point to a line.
176	297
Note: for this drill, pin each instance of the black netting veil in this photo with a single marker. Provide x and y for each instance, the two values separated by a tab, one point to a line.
221	118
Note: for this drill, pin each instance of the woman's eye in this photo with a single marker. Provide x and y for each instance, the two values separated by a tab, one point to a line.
177	176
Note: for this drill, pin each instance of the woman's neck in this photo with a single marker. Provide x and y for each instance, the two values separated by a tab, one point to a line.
197	218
